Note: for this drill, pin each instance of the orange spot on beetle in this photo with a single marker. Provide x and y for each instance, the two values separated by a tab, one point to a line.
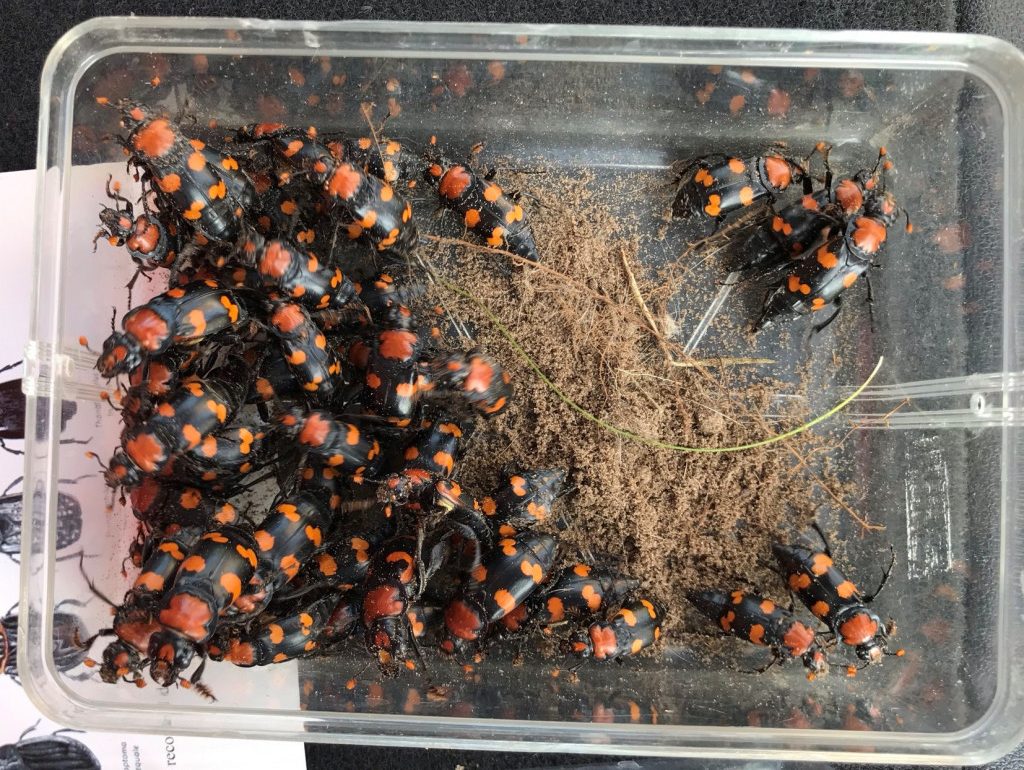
504	599
713	208
231	583
846	589
455	182
155	138
820	564
799	580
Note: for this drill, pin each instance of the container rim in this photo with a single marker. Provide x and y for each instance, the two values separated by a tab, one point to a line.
875	38
993	61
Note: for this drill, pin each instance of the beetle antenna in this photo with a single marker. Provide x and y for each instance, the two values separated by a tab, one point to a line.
93	456
84	342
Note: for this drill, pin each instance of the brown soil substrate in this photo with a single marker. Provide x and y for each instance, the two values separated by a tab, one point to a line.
675	520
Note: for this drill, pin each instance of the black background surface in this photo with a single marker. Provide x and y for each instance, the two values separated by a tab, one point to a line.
29	28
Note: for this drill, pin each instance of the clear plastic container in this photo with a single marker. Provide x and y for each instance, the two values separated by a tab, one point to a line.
941	472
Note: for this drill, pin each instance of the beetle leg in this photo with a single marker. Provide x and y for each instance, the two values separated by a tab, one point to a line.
818	328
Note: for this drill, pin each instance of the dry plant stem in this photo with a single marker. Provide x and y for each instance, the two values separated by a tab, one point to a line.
635	288
866	526
460	327
856	427
720	362
887	415
366	108
723	232
670	357
891	412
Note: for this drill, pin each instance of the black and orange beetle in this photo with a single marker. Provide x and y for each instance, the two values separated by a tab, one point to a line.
429	456
133	625
287	538
819	279
182	316
225	458
391	584
153	379
375	212
212	197
504	579
384	160
372	209
146	237
733	91
788	234
465	516
761	621
162	556
715	186
579	591
210	578
286	636
485	208
388	289
159	504
299	149
179	423
393	378
344	560
343	446
805	223
123	658
835	600
300	277
477	378
313	362
274	380
525	498
632	628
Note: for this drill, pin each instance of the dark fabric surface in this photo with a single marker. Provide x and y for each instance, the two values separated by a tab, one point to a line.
29	29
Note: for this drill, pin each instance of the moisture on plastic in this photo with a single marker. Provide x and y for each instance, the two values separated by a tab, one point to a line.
619	101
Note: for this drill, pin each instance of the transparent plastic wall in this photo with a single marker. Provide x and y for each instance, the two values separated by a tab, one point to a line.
939	472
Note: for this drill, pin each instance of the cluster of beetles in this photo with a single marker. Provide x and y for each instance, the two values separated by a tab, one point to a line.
809	252
292	351
267	362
